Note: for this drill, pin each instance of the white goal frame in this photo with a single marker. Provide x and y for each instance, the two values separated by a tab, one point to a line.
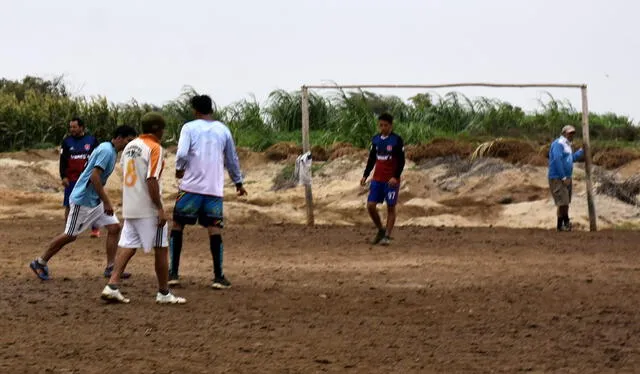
585	127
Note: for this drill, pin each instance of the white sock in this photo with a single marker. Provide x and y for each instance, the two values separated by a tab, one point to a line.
41	261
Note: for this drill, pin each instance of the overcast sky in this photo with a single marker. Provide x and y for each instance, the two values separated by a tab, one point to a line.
231	49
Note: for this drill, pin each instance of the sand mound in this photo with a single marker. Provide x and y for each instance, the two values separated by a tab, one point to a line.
282	151
438	148
511	150
614	158
444	188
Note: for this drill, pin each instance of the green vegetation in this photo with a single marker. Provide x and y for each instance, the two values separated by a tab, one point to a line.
34	113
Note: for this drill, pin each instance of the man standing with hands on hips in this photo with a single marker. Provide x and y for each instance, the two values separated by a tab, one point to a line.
561	159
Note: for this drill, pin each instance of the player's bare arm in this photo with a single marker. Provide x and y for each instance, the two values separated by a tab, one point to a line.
154	193
97	184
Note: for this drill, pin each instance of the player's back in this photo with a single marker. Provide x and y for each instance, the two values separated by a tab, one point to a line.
202	152
142	158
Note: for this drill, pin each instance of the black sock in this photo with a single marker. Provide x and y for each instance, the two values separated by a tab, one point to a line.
565	220
164	292
215	243
175	247
560	222
113	286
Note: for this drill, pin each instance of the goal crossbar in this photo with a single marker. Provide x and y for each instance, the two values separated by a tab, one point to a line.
585	126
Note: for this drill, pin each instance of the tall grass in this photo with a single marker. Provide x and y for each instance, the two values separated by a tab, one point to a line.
34	113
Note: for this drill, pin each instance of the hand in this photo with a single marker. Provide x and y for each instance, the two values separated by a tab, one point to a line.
65	182
241	191
393	182
179	174
363	181
108	209
567	181
162	219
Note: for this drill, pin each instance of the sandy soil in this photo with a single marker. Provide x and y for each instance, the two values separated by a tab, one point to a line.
313	300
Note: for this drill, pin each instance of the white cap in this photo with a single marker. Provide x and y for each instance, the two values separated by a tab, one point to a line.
568	129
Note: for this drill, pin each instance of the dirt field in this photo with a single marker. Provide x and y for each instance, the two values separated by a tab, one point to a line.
441	300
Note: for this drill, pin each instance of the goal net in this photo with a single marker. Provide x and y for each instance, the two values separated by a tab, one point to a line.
456	143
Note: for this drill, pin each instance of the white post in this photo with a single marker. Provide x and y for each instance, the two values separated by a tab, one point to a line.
306	147
587	159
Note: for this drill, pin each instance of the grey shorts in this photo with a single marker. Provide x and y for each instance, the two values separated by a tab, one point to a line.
561	193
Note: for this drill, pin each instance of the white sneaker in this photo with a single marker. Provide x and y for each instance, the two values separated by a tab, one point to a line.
169	299
113	295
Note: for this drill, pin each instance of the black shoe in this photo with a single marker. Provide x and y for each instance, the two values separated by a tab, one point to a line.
221	283
379	236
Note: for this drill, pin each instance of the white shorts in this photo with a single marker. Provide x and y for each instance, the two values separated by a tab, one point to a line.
83	217
143	233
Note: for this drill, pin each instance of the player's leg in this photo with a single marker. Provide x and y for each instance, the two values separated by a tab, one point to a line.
185	212
75	225
112	224
391	198
212	218
65	202
376	196
156	237
129	241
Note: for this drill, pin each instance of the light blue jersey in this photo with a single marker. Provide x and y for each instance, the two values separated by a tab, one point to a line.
103	157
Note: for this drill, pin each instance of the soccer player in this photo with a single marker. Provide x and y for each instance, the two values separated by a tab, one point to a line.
74	152
387	156
205	147
561	159
145	224
89	203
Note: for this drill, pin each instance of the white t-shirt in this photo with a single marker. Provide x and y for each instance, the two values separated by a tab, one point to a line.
204	149
142	158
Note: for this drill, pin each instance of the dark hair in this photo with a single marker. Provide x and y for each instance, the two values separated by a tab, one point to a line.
124	131
79	120
386	117
152	122
202	104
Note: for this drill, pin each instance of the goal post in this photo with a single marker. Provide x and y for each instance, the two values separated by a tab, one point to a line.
306	143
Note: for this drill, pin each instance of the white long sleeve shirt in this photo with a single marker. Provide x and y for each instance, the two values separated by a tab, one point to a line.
204	149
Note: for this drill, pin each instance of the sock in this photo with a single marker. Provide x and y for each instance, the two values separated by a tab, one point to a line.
41	261
175	247
113	286
565	220
560	222
164	292
215	243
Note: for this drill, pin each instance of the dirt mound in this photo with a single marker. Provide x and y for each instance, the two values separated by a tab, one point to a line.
612	158
282	151
346	149
319	153
438	148
514	151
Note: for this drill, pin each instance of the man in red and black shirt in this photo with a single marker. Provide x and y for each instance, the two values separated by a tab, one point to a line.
387	156
74	153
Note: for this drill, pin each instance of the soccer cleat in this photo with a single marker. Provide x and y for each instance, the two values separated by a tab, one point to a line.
221	283
169	299
109	269
95	233
379	236
385	241
174	280
111	295
42	271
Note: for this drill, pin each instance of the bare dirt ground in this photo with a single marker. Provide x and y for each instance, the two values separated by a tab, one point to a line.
313	300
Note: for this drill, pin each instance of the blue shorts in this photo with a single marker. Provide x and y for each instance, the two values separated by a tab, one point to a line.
67	193
204	209
380	192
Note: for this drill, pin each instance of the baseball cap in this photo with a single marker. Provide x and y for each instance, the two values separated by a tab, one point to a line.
568	129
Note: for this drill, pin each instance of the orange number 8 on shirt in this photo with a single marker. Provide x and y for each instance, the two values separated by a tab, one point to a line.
130	177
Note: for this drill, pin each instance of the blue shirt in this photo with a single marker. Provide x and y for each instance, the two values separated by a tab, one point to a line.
84	193
561	158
